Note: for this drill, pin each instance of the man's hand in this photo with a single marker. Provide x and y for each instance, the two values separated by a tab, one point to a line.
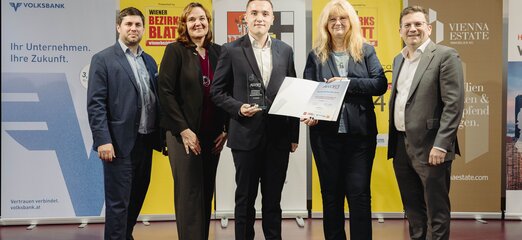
190	141
293	147
436	157
219	143
106	152
248	110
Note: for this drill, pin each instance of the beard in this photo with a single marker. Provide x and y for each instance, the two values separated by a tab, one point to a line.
131	41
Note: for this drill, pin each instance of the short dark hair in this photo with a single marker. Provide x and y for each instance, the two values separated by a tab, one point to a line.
183	36
414	9
249	1
130	11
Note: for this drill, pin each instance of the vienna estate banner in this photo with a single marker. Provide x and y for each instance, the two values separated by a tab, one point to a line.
477	36
48	168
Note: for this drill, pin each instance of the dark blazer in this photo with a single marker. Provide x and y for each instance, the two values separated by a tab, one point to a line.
229	91
181	89
113	100
367	79
434	106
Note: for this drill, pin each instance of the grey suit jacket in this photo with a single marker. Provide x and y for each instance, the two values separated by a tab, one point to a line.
229	91
434	105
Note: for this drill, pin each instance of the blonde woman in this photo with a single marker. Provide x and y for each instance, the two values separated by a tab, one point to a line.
344	149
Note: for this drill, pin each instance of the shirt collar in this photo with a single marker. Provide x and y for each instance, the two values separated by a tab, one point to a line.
256	44
125	48
420	50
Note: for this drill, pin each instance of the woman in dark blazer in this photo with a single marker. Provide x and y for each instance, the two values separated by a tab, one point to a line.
344	149
196	129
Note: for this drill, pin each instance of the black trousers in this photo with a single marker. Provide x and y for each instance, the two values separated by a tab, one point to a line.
344	164
265	165
194	182
425	194
126	182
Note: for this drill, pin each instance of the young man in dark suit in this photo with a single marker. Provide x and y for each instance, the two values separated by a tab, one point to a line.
247	78
123	111
426	106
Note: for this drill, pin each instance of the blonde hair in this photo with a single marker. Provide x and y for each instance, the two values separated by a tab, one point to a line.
353	40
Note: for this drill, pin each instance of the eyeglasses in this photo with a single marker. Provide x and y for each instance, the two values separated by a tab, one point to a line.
342	19
409	25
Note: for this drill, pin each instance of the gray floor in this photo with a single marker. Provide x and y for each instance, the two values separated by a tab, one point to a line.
391	229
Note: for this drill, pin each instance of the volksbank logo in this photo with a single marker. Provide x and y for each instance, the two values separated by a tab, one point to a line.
16	5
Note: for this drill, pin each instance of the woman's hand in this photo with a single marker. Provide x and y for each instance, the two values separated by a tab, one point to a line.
334	79
190	141
309	121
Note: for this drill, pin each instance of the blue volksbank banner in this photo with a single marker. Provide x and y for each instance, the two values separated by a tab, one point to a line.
48	168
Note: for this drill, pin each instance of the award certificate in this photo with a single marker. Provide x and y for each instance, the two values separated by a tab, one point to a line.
306	98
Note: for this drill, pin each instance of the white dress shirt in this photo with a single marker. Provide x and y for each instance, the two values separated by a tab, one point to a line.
404	81
263	53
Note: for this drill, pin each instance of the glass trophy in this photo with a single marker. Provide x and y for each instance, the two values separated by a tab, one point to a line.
256	92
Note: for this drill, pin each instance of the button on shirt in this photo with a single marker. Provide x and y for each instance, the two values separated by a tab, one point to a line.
148	99
404	81
263	54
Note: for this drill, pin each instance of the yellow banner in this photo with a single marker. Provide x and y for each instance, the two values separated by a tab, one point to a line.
161	20
380	26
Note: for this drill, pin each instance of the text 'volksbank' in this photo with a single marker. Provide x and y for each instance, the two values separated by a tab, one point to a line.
36	5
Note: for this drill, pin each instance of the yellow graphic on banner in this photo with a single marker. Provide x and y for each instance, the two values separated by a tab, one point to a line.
161	21
380	26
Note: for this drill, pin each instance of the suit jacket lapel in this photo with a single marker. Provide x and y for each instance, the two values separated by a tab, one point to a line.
122	59
399	60
425	60
150	70
194	61
275	83
213	56
251	58
332	66
351	66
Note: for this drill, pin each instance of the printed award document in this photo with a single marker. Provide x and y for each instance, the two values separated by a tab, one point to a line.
306	98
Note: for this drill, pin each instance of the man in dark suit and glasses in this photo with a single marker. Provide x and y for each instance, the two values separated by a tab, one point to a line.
247	78
123	111
426	106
